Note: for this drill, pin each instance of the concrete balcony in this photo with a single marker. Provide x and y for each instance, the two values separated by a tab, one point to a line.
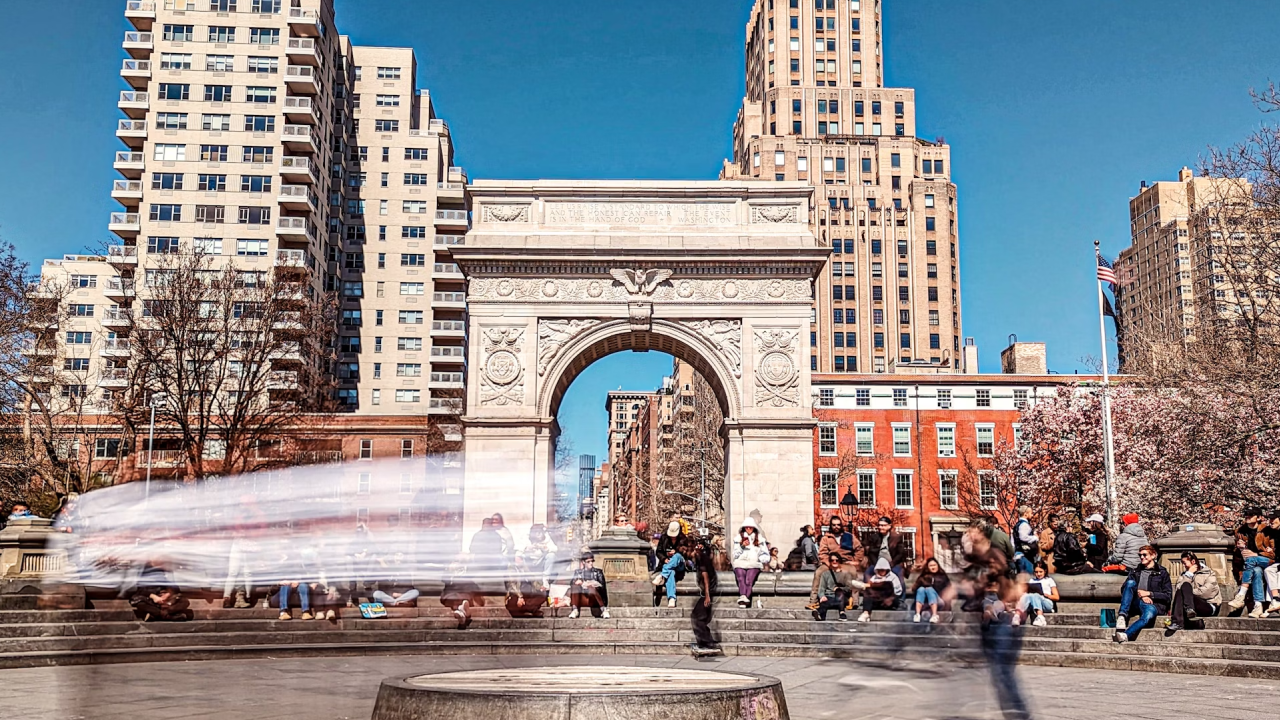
449	299
457	175
448	328
450	240
125	225
302	78
446	381
282	380
130	164
295	228
134	103
302	51
116	347
437	127
289	351
116	318
451	191
299	168
127	192
132	133
448	353
126	255
297	197
31	348
456	218
444	406
136	72
304	23
291	258
300	138
288	321
114	378
301	110
142	13
447	271
120	288
139	44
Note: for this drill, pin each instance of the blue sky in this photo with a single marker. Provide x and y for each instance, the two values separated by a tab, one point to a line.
1054	111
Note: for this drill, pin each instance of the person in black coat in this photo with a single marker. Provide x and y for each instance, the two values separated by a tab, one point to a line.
589	589
1151	588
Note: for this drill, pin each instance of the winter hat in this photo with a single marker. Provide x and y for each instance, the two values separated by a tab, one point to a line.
673	530
1094	518
750	522
883	565
1130	518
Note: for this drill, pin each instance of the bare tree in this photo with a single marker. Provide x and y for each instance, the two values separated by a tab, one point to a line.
235	362
691	455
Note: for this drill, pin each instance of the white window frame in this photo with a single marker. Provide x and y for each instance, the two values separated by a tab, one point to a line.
949	450
898	430
911	487
952	478
863	477
870	430
824	429
985	476
828	480
978	429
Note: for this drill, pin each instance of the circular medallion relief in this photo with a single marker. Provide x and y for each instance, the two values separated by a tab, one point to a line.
595	289
685	289
777	368
502	367
730	289
549	288
776	289
506	287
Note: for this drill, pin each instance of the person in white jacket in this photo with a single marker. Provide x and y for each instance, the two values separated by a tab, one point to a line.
750	555
883	590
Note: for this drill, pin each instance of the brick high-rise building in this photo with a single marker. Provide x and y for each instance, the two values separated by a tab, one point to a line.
817	110
259	136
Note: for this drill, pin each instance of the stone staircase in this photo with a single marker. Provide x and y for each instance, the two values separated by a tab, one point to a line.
30	637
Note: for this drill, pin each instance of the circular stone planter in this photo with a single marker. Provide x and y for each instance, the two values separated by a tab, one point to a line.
579	693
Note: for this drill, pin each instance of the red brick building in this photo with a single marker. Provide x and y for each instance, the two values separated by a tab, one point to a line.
919	448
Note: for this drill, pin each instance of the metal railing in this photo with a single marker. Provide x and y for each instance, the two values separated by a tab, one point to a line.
302	44
131	65
129	157
126	186
291	258
138	38
126	251
459	215
447	269
125	219
451	239
305	72
134	96
132	126
449	297
448	326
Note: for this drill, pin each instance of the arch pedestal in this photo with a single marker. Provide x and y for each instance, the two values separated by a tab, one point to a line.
561	274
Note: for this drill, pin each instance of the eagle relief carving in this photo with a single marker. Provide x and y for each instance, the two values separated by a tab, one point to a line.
502	374
641	281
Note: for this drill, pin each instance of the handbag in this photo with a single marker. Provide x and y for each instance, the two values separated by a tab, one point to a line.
1107	618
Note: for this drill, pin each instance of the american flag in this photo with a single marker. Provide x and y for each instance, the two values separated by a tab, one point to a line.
1105	271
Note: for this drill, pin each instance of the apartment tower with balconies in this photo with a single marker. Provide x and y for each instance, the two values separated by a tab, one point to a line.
817	110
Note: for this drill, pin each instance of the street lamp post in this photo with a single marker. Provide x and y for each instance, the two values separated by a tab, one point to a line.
156	399
848	505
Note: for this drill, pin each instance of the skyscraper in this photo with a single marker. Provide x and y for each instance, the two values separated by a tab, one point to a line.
816	110
261	138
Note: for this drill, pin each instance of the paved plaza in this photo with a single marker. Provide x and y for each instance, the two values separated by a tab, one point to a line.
345	689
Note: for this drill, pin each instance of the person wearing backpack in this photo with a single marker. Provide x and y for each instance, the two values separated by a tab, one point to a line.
1068	556
1026	545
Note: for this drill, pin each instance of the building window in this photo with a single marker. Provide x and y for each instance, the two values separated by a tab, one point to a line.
949	489
862	397
259	123
902	489
864	435
408	396
866	488
366	449
986	438
408	288
828	488
826	439
365	483
944	399
406	451
987	490
264	36
1020	399
388	73
826	397
984	398
104	448
899	397
946	440
901	440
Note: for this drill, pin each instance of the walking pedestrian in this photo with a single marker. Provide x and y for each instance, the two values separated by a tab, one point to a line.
705	642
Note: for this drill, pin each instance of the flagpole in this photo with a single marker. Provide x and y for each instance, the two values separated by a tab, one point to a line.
1108	454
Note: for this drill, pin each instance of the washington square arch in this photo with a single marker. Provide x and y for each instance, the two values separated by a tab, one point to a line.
563	273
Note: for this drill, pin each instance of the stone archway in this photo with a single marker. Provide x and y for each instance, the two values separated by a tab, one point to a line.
562	273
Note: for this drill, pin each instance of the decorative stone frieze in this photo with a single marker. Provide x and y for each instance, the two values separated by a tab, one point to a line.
671	290
726	336
506	213
776	214
777	371
553	335
501	371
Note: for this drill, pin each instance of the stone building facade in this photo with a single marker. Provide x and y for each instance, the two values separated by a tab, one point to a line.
816	110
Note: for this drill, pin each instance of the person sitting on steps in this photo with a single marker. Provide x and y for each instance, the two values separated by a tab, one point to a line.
883	590
1041	594
836	586
835	540
1150	586
589	589
750	555
932	584
1196	596
673	569
1258	549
